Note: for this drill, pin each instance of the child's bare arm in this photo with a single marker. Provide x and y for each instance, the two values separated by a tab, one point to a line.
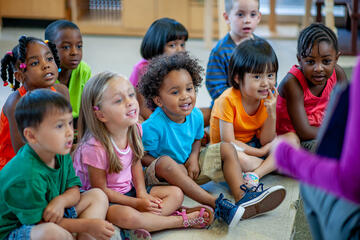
340	74
9	111
295	106
150	203
145	112
227	135
147	159
192	163
98	228
98	180
54	211
268	130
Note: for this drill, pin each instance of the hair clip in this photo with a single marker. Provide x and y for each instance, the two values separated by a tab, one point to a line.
11	85
22	65
5	83
46	41
59	70
9	53
96	108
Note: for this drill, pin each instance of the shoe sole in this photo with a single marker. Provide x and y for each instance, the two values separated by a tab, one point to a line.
237	217
264	203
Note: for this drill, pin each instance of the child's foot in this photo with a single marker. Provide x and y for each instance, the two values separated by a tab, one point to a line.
257	201
229	212
137	234
251	179
197	217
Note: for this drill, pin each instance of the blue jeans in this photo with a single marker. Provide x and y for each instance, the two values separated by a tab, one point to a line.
329	217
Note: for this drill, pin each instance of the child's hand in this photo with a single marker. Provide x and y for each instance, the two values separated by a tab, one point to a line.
192	167
148	204
266	148
54	211
100	229
270	101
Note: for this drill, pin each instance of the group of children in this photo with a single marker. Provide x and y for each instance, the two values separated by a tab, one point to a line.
138	144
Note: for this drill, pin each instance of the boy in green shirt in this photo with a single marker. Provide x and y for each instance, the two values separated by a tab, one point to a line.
39	196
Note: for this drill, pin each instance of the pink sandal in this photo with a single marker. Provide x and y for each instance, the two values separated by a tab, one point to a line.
183	211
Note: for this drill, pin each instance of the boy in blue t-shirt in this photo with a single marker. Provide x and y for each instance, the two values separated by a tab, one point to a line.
40	194
171	138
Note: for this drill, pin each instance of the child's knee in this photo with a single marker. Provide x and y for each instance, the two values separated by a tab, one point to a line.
291	136
49	231
98	196
165	164
227	151
176	192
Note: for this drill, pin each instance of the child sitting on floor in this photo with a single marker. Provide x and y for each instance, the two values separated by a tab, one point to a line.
172	137
39	196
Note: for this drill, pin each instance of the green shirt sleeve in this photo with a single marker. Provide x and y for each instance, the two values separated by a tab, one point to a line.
27	200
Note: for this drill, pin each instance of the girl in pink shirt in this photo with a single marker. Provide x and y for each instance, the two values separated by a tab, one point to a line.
305	91
108	158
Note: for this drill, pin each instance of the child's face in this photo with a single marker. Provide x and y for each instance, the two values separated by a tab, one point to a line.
320	64
175	46
54	135
257	85
177	96
243	18
119	106
69	45
41	70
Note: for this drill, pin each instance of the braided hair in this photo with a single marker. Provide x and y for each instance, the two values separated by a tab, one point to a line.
315	33
12	60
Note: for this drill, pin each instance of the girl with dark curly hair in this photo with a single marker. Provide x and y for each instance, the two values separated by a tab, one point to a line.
171	138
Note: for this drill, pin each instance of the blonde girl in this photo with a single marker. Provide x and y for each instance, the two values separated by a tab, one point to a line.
108	158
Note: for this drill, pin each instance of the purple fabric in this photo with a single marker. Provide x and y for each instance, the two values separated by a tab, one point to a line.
340	177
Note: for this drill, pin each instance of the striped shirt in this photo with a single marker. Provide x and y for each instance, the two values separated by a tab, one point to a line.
218	67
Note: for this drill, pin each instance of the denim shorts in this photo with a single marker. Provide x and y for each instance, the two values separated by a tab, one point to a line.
255	143
24	232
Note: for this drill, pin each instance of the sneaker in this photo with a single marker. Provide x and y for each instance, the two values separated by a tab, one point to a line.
257	201
229	212
251	179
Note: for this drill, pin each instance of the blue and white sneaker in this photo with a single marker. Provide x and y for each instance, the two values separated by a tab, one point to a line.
257	201
229	212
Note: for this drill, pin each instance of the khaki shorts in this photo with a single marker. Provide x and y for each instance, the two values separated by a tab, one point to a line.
210	167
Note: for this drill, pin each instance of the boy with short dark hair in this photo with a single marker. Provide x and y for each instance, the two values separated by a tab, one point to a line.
40	194
243	16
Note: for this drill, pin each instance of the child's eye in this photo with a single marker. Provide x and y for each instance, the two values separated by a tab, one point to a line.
79	46
189	89
172	45
254	14
310	62
257	77
50	59
132	95
174	92
66	47
59	125
119	100
327	61
182	45
240	14
71	122
270	75
34	63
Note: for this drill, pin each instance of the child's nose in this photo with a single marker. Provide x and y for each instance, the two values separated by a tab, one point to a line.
319	67
74	51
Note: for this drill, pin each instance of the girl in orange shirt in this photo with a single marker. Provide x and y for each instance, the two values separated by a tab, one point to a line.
245	114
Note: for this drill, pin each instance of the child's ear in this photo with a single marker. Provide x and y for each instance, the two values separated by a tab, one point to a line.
157	101
236	79
30	135
226	17
337	56
100	115
19	76
298	58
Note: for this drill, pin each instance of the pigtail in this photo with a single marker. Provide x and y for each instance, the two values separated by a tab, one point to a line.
23	40
7	70
54	51
135	142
